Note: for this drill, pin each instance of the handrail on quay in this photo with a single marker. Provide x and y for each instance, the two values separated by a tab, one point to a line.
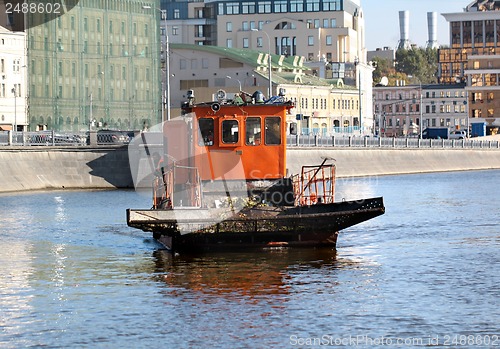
388	142
107	137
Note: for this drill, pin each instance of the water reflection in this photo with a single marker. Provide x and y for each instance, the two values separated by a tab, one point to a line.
248	274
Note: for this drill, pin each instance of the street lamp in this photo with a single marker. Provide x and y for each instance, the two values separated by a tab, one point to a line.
167	61
14	91
91	103
239	82
356	64
270	89
421	112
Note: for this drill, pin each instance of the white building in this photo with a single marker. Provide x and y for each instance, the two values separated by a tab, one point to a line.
13	80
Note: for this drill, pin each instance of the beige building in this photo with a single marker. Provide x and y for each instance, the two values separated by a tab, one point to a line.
323	106
401	110
319	30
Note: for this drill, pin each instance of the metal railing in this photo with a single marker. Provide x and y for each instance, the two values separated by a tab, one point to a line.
386	142
51	138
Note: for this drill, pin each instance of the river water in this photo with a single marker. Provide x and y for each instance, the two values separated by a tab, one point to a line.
73	275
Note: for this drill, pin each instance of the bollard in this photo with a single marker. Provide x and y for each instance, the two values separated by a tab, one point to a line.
9	135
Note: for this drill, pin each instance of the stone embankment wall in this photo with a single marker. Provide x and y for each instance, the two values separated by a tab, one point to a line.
108	167
374	161
38	168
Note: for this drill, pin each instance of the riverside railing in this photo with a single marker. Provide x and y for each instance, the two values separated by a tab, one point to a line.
386	142
108	137
52	138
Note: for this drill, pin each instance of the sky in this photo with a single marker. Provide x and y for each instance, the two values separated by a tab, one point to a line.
382	20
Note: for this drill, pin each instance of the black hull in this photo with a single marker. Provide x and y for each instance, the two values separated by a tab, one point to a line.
303	226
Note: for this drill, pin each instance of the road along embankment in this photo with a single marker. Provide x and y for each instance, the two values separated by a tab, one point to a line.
355	162
41	168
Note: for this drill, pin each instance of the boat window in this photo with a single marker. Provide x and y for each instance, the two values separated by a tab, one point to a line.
230	131
207	132
253	130
273	130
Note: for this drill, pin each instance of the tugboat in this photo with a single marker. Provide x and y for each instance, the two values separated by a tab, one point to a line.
221	182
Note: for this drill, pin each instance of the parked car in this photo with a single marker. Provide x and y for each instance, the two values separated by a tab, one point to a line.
459	134
111	137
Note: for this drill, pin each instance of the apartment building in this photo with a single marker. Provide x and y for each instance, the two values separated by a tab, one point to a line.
96	66
483	88
474	31
331	30
401	110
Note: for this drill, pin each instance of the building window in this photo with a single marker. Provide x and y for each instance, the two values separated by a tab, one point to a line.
248	8
232	8
310	40
229	26
177	13
264	7
229	43
280	6
331	5
312	6
296	6
244	26
328	40
245	42
259	41
198	31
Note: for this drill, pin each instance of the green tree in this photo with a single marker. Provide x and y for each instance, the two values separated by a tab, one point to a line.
421	63
383	67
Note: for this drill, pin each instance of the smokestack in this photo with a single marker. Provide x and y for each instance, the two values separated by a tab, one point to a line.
432	27
404	29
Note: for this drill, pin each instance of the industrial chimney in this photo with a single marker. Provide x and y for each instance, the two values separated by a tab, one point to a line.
432	27
404	29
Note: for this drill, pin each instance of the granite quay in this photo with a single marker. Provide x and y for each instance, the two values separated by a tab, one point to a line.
107	167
